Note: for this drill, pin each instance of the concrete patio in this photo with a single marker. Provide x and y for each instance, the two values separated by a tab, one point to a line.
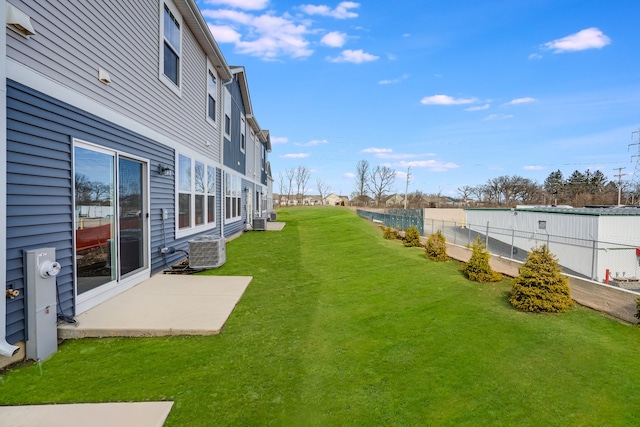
165	304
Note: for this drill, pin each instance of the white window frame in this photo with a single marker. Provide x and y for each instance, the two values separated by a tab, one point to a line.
176	88
227	113
211	72
232	197
205	190
243	134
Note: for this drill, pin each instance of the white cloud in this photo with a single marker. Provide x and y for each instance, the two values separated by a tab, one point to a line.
478	108
535	56
533	168
498	117
224	34
242	4
349	175
296	156
446	100
342	11
354	56
406	35
334	39
313	143
394	81
520	101
590	38
267	36
377	150
279	140
432	165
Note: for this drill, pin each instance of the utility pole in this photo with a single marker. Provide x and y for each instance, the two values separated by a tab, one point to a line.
619	175
406	188
635	179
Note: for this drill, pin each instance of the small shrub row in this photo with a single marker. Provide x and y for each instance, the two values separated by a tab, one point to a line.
540	286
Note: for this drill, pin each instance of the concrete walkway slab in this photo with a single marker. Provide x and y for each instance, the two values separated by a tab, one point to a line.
139	414
165	304
275	226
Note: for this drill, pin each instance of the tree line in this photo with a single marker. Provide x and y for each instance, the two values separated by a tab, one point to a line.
578	189
373	184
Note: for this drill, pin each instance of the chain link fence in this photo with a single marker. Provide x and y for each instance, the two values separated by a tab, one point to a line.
400	219
602	261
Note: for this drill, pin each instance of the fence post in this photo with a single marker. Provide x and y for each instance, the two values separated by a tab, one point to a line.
455	231
486	239
593	261
513	233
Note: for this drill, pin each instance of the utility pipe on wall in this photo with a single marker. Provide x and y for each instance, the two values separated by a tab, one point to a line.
6	349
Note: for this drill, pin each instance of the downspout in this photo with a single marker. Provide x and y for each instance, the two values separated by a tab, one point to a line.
222	177
6	349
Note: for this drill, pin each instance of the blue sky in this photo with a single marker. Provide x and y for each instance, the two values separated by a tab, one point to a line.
461	91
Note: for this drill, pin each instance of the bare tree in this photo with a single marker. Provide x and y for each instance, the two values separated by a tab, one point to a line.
282	185
361	180
303	174
465	193
290	175
380	181
323	188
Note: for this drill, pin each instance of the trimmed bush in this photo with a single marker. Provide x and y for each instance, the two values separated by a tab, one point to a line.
436	248
412	237
478	268
389	233
541	287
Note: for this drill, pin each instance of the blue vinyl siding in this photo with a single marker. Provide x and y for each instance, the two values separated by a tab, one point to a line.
40	130
233	157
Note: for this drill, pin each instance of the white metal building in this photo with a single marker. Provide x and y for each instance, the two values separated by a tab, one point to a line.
588	240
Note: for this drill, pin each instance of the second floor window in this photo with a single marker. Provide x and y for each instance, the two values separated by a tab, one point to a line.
171	47
211	96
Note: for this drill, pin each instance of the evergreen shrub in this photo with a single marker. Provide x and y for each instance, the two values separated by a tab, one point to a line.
541	287
412	237
436	248
389	233
478	268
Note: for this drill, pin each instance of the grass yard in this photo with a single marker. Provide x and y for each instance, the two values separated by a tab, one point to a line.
340	327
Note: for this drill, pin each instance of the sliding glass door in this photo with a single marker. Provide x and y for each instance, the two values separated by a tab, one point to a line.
110	216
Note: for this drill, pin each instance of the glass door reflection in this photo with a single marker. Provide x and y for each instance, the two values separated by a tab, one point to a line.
95	218
131	230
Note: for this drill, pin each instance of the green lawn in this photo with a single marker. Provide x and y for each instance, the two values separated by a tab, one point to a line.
341	327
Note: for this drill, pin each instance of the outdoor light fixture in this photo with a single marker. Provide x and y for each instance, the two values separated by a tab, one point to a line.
164	170
18	21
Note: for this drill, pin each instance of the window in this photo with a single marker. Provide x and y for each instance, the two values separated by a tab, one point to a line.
227	113
211	195
232	197
170	49
212	90
542	225
196	193
184	192
243	139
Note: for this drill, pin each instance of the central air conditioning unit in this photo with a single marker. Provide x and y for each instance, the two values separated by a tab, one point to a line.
259	224
207	252
273	216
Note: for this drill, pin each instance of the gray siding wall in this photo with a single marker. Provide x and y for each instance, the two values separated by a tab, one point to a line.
40	130
75	39
233	157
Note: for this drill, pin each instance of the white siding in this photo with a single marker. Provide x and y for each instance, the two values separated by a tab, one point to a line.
74	41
